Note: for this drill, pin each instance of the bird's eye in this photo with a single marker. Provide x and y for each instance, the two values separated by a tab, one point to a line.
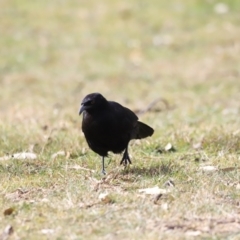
92	102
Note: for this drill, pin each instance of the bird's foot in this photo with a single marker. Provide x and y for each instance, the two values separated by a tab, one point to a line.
103	166
126	159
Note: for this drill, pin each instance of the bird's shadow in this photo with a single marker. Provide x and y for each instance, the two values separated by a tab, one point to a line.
154	170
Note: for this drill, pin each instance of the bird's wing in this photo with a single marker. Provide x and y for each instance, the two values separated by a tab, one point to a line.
126	118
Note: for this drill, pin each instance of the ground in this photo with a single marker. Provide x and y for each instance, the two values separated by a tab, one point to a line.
175	63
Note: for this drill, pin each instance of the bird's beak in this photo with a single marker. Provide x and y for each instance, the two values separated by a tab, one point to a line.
83	108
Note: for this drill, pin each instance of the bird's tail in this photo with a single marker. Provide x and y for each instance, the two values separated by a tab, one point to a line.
143	131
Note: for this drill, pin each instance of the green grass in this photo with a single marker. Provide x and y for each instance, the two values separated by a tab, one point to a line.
53	53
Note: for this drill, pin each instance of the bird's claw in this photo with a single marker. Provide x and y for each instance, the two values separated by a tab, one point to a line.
126	159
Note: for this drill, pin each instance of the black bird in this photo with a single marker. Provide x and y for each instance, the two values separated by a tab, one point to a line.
108	126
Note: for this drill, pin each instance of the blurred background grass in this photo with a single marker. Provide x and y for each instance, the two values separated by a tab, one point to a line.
53	53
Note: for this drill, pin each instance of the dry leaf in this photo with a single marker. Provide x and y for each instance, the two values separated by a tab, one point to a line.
169	148
20	156
158	196
77	167
154	190
17	195
193	233
197	145
59	153
102	196
68	154
8	211
228	169
24	155
105	198
169	183
208	168
47	231
6	233
45	127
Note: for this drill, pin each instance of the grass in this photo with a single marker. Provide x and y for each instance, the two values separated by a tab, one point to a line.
184	53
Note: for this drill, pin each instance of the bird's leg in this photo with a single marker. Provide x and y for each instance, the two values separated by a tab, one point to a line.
126	159
103	167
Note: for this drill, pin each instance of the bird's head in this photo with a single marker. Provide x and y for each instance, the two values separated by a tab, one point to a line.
91	102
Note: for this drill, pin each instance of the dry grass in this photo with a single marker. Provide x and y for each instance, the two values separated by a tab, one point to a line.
183	53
